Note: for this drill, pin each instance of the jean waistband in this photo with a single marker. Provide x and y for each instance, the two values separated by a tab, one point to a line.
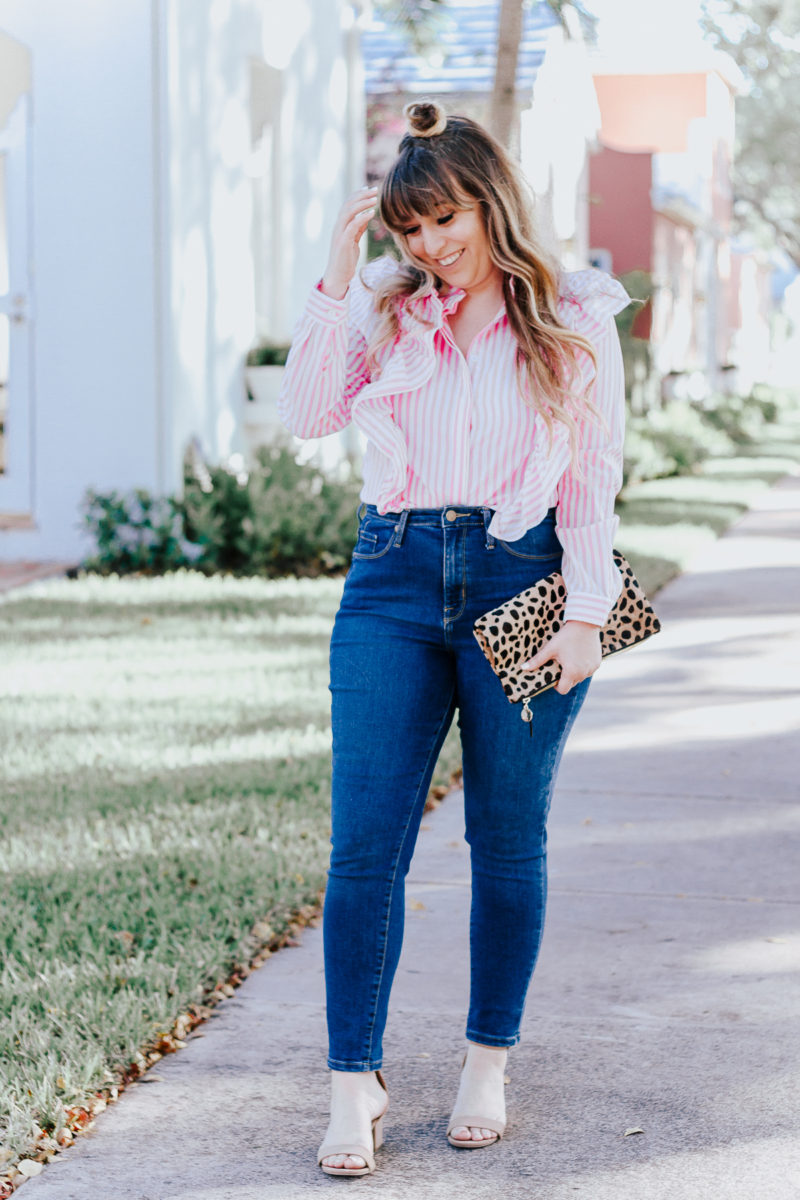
447	516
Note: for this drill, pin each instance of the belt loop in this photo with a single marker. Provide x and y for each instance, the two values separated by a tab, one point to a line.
400	528
487	520
361	513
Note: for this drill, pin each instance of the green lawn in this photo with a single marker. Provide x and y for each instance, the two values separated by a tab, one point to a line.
164	811
164	749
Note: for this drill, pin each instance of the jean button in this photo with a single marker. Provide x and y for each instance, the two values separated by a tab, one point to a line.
451	514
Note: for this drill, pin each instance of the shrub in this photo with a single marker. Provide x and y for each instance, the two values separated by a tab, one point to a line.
135	531
267	353
741	417
641	380
670	441
279	518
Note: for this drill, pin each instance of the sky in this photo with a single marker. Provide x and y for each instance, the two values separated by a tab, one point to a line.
649	34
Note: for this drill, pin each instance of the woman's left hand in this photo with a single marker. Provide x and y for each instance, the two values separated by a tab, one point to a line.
576	648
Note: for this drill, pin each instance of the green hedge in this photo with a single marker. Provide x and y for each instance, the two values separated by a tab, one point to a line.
676	438
277	518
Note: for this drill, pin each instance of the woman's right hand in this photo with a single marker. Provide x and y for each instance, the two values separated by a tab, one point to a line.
348	231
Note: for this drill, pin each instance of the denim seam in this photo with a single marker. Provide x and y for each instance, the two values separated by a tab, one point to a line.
390	890
450	618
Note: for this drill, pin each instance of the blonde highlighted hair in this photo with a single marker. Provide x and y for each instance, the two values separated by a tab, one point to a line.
452	162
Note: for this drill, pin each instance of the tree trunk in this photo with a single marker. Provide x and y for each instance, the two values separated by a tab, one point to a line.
503	105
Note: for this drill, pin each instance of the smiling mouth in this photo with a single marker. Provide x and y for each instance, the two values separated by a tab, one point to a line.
451	259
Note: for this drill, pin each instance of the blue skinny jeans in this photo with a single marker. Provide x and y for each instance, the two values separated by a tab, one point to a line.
403	661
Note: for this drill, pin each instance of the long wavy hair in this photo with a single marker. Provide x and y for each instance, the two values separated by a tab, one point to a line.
453	162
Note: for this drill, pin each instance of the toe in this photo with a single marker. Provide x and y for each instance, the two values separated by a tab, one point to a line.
350	1162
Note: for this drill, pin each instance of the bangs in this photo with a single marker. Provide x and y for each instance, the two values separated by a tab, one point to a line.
416	185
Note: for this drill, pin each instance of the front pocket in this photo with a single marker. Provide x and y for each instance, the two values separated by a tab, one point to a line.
533	548
374	542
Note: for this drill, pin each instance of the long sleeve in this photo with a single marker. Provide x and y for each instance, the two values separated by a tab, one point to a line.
585	520
325	369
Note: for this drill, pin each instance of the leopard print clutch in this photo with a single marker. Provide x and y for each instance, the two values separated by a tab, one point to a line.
513	633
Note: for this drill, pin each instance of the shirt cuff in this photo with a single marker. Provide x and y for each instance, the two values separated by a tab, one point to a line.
325	308
583	606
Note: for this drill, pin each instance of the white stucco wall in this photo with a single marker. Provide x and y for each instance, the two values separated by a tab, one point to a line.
142	226
206	217
92	246
218	165
324	147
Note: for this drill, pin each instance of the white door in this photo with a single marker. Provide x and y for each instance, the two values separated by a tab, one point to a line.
16	444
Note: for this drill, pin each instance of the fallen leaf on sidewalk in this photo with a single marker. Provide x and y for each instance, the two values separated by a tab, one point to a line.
416	905
630	1132
29	1168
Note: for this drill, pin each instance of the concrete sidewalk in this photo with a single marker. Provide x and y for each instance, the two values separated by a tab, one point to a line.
667	997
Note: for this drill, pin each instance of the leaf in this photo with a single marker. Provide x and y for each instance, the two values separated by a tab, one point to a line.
29	1168
416	905
630	1132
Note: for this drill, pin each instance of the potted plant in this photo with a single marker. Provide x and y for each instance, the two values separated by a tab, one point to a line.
263	373
264	369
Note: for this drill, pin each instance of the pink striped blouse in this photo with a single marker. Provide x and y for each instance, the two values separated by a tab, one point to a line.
442	428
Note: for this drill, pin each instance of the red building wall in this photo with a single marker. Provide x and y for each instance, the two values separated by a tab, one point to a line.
620	208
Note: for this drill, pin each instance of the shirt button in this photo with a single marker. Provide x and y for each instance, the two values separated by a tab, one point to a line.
451	514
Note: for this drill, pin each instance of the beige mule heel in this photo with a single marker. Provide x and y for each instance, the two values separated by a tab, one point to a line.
328	1149
470	1120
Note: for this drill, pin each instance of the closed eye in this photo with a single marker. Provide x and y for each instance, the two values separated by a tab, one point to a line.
412	229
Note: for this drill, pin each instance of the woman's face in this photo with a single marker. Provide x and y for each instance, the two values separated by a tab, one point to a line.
452	242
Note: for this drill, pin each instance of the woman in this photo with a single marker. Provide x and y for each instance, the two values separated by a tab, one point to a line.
490	391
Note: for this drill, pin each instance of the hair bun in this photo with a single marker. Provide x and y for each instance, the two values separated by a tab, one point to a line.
425	118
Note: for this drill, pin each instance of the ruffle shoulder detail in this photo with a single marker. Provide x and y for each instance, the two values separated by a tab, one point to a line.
588	298
362	295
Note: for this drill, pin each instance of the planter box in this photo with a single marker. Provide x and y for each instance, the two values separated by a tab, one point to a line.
262	426
260	415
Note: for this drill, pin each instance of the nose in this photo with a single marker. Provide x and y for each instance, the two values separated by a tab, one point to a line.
433	240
